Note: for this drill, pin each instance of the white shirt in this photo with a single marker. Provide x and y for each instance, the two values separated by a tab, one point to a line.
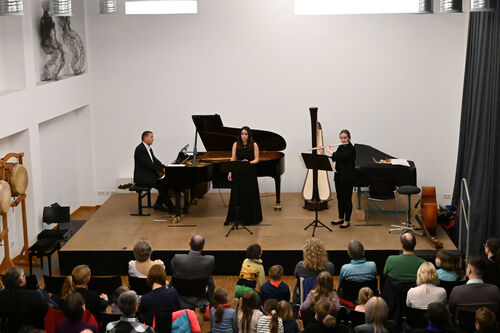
471	281
148	148
420	297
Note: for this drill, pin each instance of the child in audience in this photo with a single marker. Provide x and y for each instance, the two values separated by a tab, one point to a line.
286	314
275	287
252	275
485	320
447	268
116	295
364	295
324	289
222	317
270	322
248	315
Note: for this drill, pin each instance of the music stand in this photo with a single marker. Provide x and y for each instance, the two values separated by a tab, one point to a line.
241	168
317	162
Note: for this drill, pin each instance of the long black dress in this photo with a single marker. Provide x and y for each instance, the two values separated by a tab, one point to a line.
245	193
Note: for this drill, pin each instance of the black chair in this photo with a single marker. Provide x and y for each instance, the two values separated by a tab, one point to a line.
307	316
381	189
466	320
357	318
394	293
53	284
415	318
449	285
163	321
105	285
349	290
142	191
139	285
196	288
103	319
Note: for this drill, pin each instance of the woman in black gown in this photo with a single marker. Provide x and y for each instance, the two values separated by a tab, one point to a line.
345	177
244	205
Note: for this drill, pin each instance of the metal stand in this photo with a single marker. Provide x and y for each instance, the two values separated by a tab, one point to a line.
317	223
406	226
237	225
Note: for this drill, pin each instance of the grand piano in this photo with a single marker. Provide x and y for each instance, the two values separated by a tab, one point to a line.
368	171
187	175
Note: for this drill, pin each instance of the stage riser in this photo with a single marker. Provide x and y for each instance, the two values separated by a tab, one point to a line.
226	262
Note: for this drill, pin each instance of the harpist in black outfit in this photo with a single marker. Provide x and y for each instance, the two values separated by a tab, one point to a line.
244	186
345	177
150	172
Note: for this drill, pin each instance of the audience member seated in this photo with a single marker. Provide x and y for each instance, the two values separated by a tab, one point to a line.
315	261
222	317
194	266
437	318
252	275
324	289
77	282
364	295
376	315
405	265
492	250
128	304
359	269
20	306
73	308
270	322
142	263
486	321
159	298
475	293
326	321
285	312
116	294
427	291
248	315
446	266
275	287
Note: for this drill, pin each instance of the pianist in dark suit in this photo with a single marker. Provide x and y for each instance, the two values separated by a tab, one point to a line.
345	177
150	172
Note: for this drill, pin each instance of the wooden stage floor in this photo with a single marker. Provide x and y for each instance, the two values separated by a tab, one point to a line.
112	230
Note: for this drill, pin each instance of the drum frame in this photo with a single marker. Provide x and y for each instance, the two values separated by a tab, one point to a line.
23	258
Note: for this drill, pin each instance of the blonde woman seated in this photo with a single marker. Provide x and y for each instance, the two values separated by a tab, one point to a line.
324	289
142	253
427	291
364	295
376	315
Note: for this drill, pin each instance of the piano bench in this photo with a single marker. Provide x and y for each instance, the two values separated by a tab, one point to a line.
142	191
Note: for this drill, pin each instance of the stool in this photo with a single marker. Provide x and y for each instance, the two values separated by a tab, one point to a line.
43	247
141	191
407	226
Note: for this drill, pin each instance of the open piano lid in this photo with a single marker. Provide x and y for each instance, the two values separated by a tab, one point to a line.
216	137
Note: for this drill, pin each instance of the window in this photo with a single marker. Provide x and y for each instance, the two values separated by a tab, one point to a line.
161	7
338	7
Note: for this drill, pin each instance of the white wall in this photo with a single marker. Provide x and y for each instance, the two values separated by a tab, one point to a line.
394	80
65	140
22	111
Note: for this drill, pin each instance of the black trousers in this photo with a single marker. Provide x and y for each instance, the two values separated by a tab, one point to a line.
344	199
163	186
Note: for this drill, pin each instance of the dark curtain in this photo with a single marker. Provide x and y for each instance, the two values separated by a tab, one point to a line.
479	147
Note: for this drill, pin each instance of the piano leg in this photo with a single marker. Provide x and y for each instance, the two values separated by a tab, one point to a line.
277	183
186	200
